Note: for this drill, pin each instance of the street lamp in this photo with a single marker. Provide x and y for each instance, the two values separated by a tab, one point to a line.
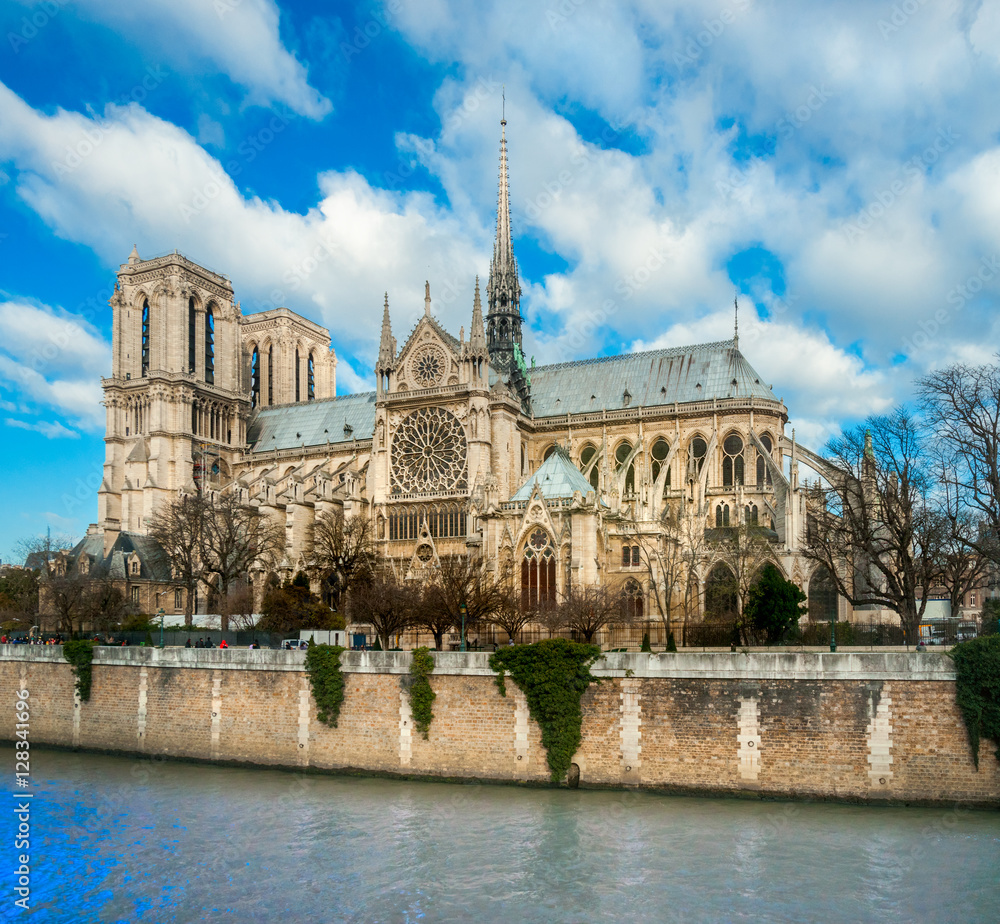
833	634
462	610
160	611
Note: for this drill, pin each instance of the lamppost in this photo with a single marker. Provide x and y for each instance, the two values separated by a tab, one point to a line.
833	634
462	611
160	611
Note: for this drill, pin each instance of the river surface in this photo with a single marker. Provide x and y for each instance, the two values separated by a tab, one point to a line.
119	839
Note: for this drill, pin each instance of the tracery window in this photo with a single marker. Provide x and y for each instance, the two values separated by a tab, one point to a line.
622	453
632	600
763	472
585	458
538	571
732	460
298	376
697	450
721	515
659	452
310	379
429	453
752	515
270	375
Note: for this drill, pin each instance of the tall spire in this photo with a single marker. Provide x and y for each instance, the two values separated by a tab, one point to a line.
477	338
736	321
387	345
503	290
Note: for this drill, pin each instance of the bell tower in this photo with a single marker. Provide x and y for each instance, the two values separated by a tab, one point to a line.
177	403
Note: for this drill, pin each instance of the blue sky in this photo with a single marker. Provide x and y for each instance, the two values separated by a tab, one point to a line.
836	164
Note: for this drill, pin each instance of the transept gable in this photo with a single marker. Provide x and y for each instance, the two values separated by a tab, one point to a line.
430	357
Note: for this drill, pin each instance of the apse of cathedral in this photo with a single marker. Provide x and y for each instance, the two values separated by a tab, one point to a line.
461	446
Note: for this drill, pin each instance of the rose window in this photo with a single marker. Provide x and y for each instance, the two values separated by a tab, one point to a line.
428	366
429	453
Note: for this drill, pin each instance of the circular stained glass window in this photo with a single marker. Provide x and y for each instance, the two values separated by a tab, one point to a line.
429	453
428	366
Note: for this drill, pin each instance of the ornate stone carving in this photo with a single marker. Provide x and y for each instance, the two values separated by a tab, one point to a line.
429	452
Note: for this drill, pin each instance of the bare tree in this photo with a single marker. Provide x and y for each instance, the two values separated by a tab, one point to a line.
961	567
177	527
233	536
39	552
344	551
385	605
510	615
876	532
667	552
588	610
238	606
67	596
461	581
745	551
962	405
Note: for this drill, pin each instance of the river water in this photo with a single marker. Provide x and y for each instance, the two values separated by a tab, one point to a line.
119	839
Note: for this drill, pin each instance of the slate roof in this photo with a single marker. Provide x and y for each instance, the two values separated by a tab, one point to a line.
286	426
153	564
557	477
654	377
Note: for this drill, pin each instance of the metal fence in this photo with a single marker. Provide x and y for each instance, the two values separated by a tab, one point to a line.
174	638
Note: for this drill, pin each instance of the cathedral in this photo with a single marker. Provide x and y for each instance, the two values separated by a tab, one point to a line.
564	471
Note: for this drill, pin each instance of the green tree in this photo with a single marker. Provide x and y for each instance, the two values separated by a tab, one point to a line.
773	605
991	617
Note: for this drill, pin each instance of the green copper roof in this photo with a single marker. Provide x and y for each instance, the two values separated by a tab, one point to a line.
557	477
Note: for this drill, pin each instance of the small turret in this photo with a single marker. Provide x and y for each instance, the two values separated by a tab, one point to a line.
386	364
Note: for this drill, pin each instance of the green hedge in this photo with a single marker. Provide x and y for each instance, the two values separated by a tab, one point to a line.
977	684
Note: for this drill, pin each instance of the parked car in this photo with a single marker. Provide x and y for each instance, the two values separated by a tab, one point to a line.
294	644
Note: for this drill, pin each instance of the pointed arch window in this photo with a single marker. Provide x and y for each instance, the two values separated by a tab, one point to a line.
631	600
697	450
538	572
210	346
732	461
721	515
145	337
270	375
310	379
622	453
659	452
255	378
763	472
752	515
192	336
586	457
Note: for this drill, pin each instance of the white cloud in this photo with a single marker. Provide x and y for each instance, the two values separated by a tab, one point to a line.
239	38
54	430
53	360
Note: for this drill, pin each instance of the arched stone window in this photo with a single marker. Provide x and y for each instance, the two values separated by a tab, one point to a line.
721	515
255	378
548	452
659	452
622	453
720	594
270	375
145	337
310	379
192	336
751	514
538	572
210	346
632	600
763	472
298	376
822	596
586	456
732	460
697	450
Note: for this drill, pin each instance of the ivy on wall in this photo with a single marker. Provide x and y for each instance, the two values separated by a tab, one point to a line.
977	685
80	653
421	694
326	680
553	674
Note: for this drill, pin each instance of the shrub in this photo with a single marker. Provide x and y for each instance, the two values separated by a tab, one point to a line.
553	674
671	644
645	642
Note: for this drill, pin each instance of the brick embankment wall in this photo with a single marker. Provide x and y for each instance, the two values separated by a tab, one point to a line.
851	726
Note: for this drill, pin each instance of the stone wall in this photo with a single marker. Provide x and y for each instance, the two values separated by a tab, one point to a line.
848	726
